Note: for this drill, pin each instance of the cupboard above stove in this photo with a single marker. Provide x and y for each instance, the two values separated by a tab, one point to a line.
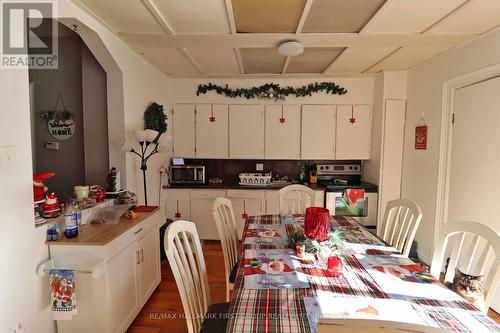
341	132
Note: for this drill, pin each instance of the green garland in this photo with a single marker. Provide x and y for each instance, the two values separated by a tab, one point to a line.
49	115
272	90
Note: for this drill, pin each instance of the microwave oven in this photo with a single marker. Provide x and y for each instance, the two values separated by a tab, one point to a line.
187	174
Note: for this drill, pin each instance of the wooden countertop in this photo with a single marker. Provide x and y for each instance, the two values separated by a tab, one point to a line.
101	234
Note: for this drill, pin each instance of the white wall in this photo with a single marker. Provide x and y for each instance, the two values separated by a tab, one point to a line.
24	296
425	94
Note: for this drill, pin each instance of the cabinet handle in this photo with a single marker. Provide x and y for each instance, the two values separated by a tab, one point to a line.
138	261
142	255
138	231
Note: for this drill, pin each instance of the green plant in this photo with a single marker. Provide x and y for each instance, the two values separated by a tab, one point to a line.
155	118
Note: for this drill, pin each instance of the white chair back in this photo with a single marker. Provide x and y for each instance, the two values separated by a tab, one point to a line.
226	225
294	199
184	253
367	325
473	243
399	226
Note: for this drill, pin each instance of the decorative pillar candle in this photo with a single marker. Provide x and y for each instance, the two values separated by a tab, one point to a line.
317	223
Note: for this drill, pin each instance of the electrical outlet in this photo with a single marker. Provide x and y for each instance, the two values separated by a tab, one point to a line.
7	158
259	167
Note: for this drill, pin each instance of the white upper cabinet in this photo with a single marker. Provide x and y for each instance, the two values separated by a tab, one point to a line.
353	132
318	132
282	132
212	131
184	130
246	131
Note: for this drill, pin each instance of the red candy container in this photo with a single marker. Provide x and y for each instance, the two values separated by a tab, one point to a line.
335	266
317	223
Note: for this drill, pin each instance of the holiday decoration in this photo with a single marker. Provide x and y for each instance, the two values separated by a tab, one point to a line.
421	137
51	207
177	213
282	119
39	188
60	124
113	180
272	90
155	118
352	120
244	215
335	266
317	223
212	117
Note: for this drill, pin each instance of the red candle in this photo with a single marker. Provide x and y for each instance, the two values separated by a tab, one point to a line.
317	223
335	266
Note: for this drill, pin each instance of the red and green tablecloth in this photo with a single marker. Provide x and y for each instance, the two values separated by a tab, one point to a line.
283	310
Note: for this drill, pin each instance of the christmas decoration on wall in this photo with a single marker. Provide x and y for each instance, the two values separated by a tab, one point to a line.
212	117
421	135
244	215
177	213
60	123
352	120
155	119
272	90
282	119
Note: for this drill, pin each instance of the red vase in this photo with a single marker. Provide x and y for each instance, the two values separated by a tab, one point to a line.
335	266
317	223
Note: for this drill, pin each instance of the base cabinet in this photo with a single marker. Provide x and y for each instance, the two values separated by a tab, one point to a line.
131	272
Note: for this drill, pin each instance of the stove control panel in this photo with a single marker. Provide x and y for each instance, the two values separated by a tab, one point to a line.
333	169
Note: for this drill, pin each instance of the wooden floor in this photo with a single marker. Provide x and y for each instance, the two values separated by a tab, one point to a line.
163	312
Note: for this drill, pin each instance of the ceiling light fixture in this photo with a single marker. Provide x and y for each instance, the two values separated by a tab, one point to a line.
291	48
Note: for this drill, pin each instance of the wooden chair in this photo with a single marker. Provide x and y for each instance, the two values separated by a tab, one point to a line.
472	242
366	325
399	226
294	199
226	225
184	253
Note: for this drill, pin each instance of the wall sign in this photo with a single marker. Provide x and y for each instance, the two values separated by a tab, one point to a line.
60	128
421	137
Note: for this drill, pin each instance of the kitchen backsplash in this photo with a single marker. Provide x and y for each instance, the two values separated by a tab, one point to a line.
229	169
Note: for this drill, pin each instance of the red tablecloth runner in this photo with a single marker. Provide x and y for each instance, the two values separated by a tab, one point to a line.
283	310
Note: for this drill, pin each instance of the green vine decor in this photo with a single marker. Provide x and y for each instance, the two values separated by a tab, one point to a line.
63	115
272	90
155	118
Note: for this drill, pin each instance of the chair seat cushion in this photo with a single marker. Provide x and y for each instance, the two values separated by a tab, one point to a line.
234	271
216	318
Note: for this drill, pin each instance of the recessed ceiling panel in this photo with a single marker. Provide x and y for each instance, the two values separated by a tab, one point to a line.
262	61
124	16
261	16
171	61
475	17
409	16
313	60
359	58
216	60
408	57
340	15
195	16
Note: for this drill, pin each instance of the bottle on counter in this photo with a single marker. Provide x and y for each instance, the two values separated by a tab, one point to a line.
302	175
70	220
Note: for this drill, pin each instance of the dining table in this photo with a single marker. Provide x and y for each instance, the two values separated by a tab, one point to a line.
369	285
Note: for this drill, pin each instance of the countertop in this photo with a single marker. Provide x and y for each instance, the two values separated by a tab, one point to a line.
237	186
101	234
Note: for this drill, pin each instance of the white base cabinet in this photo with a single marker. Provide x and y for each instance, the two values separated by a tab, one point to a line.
109	303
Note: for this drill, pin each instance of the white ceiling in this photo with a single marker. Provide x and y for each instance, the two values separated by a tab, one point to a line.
194	38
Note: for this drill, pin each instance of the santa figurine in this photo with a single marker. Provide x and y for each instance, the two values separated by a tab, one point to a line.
51	207
39	188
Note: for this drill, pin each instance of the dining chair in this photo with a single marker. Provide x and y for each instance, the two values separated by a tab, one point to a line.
185	256
294	199
226	225
400	223
326	325
471	243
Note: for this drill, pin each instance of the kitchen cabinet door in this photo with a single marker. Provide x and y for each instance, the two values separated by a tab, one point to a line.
354	124
178	204
244	208
272	202
318	132
246	131
201	212
149	253
122	275
184	130
212	131
282	132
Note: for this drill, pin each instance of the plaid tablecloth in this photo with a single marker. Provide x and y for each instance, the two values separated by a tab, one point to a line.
283	310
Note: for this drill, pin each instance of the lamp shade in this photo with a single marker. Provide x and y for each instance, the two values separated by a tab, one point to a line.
127	146
140	135
151	135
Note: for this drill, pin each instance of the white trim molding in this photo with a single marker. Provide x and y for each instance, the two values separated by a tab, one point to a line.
449	88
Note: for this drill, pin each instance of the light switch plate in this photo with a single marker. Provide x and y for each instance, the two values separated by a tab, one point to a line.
259	167
7	157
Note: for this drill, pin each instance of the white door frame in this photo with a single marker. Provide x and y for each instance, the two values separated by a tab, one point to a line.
449	88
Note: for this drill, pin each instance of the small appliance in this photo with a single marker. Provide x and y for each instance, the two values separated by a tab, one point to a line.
187	174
